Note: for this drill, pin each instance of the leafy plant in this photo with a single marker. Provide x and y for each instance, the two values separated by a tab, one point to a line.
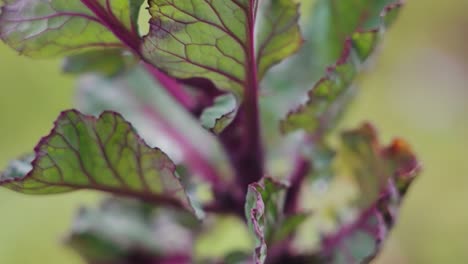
210	132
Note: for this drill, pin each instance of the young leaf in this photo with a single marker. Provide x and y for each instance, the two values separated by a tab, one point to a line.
264	212
383	174
328	97
127	232
279	35
104	154
40	28
255	214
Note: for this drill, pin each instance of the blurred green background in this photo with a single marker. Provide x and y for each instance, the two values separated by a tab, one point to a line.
418	89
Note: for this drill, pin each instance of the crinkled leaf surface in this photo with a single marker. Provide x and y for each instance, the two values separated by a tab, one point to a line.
45	28
104	154
279	34
127	232
384	174
255	214
264	212
328	97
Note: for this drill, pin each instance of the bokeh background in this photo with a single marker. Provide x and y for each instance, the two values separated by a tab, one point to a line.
418	89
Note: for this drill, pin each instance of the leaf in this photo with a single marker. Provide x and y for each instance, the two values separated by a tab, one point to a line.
128	231
279	35
384	174
255	214
200	38
40	28
325	24
109	62
104	154
273	195
332	22
361	152
329	96
264	212
215	40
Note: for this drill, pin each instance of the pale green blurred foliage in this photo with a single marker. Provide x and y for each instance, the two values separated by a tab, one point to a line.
418	89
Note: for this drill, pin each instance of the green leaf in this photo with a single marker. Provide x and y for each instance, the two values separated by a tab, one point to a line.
129	231
373	166
215	40
63	27
383	174
326	24
279	35
273	196
328	98
109	62
333	21
200	38
104	154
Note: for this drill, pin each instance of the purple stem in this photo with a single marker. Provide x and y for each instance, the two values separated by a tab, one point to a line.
252	166
173	87
296	179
